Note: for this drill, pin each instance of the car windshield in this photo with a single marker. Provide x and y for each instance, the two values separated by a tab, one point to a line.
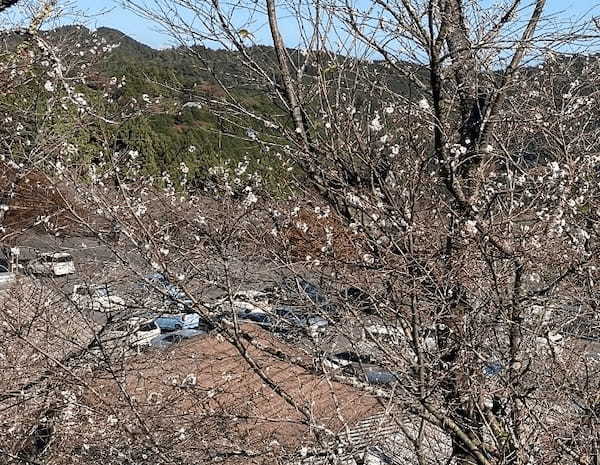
380	377
147	327
311	291
317	320
101	292
65	259
307	288
353	357
258	317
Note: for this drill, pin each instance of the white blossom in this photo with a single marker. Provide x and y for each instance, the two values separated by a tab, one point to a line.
250	198
375	124
302	226
487	148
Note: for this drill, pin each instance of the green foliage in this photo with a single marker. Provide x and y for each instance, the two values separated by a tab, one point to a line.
196	139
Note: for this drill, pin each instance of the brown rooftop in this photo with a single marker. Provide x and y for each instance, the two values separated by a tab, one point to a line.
204	400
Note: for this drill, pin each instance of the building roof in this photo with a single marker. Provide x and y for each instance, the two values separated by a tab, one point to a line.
387	437
206	390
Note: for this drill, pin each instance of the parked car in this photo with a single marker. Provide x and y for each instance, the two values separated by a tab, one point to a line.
361	366
362	300
384	333
552	342
343	359
492	368
138	331
289	317
380	376
167	340
249	301
261	318
7	278
173	295
285	320
53	264
96	297
302	294
178	322
295	287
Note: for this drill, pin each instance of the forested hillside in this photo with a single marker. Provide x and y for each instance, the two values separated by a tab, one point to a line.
164	93
160	96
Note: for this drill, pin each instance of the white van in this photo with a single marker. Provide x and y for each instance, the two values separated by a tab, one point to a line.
53	264
137	331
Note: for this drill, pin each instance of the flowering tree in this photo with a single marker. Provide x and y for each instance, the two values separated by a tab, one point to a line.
461	163
47	115
444	192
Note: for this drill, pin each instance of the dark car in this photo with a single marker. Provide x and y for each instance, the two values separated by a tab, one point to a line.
263	319
173	294
300	287
380	376
372	374
361	366
302	295
166	340
285	320
492	369
353	357
362	300
299	319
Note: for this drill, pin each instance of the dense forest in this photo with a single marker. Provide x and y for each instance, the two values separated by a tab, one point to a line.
165	93
160	96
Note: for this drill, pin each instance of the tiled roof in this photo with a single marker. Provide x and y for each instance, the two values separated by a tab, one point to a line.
207	387
386	438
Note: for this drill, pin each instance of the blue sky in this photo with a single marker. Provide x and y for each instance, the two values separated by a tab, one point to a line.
144	31
112	15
